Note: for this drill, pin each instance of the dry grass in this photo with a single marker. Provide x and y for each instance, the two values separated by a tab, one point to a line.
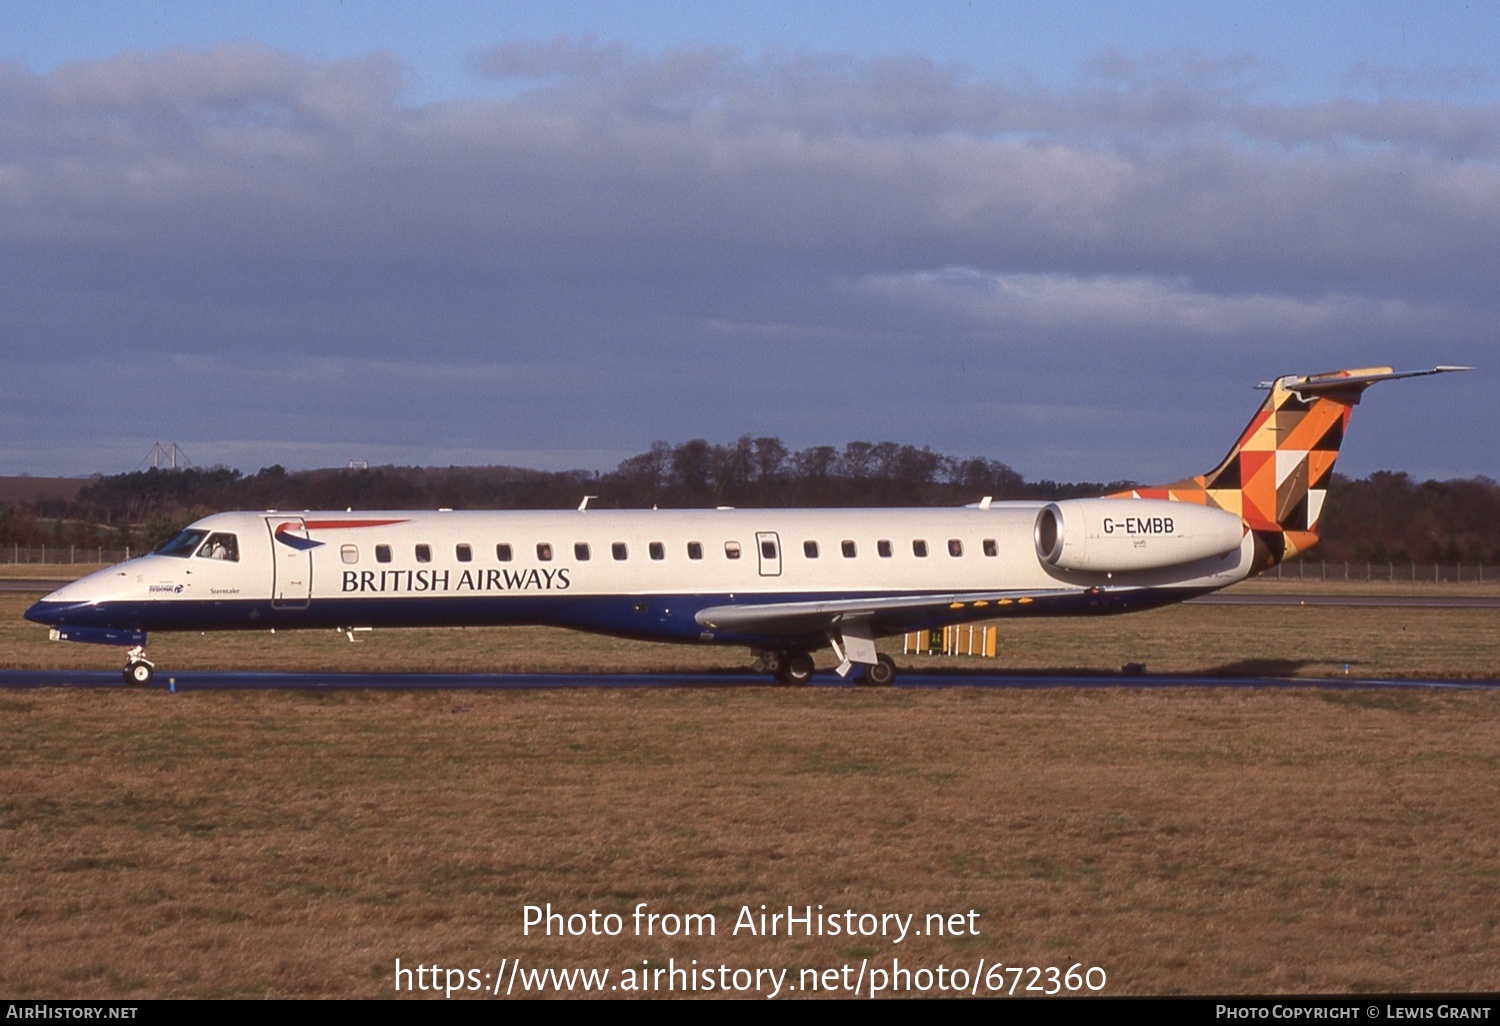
297	844
1189	842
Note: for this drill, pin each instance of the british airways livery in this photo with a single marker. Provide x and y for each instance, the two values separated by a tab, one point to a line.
783	582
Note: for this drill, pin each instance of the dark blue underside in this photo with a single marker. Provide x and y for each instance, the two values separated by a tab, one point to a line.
657	618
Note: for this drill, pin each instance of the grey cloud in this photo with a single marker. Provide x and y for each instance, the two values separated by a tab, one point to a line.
631	247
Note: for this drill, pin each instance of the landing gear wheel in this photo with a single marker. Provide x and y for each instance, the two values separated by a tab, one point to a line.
139	673
881	675
796	668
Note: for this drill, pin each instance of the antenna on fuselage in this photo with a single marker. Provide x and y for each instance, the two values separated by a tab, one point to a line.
585	503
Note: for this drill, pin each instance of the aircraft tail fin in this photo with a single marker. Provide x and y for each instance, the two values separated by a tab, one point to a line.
1276	476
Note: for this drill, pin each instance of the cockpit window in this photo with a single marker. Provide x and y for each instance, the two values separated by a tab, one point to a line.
221	546
183	545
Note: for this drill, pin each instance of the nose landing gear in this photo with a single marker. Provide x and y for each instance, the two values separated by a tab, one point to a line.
138	669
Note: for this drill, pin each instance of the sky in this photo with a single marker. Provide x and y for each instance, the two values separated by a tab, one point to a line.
1066	236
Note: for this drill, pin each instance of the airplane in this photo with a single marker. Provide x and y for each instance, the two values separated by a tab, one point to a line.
783	582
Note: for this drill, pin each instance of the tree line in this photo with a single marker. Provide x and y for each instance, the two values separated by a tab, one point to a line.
1386	517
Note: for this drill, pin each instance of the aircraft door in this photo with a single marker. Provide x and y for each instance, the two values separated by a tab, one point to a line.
291	555
768	549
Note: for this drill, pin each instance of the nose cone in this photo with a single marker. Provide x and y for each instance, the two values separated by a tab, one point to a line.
75	603
55	613
44	611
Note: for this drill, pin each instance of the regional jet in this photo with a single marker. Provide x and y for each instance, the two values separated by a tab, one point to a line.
785	583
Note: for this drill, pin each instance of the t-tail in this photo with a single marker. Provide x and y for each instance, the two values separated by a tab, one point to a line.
1276	477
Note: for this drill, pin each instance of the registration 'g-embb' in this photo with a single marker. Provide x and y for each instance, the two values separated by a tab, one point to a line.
783	582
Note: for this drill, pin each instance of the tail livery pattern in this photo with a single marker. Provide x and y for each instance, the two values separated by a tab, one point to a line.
1276	477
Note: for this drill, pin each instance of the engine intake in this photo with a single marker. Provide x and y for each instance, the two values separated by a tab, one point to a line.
1117	535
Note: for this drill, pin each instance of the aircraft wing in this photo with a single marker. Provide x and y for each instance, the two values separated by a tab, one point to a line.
886	613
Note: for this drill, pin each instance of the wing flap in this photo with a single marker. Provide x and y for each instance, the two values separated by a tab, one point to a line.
886	612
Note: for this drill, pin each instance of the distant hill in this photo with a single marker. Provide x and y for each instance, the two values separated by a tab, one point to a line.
1387	517
40	489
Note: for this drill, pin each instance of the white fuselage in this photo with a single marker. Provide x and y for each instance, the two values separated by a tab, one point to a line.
787	577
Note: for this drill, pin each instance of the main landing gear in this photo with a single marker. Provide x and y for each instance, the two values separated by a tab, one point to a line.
794	668
791	668
881	675
138	669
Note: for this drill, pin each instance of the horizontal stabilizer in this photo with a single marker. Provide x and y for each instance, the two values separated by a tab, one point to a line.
1355	381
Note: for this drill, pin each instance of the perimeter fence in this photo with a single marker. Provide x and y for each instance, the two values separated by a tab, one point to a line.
11	554
1397	573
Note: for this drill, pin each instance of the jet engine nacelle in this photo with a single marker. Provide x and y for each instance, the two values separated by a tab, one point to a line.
1117	535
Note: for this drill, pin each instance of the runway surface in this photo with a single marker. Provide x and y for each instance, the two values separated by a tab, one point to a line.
24	584
207	680
1385	601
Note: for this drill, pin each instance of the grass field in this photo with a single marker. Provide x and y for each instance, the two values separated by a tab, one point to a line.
1185	841
1310	641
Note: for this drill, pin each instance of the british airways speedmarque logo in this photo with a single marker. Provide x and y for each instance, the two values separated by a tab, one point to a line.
292	541
284	536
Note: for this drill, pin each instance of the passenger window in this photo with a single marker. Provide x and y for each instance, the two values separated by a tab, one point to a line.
768	549
424	553
503	553
919	548
955	547
695	550
810	549
581	551
382	553
849	549
657	550
883	547
464	554
349	553
222	546
990	548
619	551
731	550
544	551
